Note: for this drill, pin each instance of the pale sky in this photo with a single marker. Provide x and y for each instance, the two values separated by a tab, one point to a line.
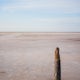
40	15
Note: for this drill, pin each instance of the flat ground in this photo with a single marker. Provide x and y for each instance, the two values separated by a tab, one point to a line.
30	56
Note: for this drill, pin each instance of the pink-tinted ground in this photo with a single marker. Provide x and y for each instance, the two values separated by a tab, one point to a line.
30	56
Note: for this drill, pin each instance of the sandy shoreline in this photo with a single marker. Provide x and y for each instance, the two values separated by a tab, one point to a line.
30	56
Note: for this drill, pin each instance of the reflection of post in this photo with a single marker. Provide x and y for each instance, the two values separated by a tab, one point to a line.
57	65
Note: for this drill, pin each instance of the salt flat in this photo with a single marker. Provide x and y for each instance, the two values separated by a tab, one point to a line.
30	56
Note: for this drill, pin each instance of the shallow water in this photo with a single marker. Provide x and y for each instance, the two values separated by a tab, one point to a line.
30	56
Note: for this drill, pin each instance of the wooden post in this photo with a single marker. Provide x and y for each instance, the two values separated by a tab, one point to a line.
57	65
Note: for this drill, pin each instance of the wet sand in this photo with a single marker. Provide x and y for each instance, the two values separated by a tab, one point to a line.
30	56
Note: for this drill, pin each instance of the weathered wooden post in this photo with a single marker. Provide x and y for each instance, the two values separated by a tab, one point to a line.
57	65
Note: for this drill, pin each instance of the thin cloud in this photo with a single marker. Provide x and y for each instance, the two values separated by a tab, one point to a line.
40	15
55	5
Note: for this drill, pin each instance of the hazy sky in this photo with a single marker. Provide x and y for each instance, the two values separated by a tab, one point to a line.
40	15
